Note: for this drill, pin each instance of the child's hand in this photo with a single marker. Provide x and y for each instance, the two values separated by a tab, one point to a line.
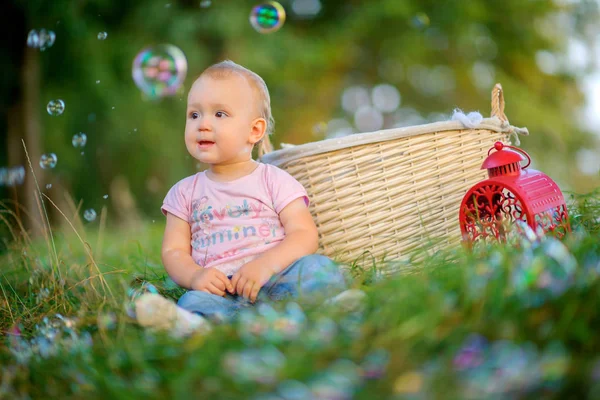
250	278
211	280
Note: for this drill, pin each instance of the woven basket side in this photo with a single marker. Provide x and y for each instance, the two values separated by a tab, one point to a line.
390	197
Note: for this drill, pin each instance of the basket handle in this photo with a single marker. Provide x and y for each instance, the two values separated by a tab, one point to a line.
498	103
265	146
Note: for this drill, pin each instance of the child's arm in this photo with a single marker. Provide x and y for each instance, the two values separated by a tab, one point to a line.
178	261
177	252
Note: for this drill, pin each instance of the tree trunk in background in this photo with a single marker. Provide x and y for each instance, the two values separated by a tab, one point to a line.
31	133
15	155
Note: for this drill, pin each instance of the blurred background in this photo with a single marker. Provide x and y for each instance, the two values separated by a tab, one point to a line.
333	68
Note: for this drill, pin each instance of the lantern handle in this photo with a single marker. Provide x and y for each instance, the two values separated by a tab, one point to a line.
499	146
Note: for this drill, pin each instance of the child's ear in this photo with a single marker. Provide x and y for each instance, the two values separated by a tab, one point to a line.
257	130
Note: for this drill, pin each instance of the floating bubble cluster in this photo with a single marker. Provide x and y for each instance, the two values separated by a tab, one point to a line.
102	35
51	338
506	368
12	176
159	70
255	365
270	324
55	107
375	364
79	139
48	160
268	17
89	214
544	271
322	333
339	381
41	39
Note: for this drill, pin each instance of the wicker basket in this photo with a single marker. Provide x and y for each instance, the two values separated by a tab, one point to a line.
390	191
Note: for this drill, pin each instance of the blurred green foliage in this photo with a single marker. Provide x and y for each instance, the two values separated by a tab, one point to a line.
307	65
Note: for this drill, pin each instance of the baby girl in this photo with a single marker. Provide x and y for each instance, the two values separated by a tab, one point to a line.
239	232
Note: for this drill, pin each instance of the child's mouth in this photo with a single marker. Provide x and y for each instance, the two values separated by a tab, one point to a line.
204	144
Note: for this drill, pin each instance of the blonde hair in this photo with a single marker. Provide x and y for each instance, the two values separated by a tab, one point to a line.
225	68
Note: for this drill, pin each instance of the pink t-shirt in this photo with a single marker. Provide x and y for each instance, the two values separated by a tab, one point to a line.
233	222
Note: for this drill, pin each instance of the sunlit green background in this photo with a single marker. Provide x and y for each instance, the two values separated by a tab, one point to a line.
439	55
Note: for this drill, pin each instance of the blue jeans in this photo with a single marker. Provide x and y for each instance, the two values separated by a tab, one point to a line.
311	278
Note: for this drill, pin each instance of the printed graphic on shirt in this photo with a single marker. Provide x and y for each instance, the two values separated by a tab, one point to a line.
235	228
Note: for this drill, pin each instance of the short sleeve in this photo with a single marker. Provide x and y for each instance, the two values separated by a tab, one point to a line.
284	188
177	200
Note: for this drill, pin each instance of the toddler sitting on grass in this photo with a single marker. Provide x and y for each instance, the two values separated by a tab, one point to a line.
241	231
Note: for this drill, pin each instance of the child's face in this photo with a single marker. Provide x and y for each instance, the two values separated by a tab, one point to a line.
222	111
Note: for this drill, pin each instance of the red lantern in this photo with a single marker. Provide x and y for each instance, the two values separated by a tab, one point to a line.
511	193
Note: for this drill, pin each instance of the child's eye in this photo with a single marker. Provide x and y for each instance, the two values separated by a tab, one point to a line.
194	115
220	114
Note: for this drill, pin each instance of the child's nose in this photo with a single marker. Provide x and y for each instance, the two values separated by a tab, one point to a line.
204	124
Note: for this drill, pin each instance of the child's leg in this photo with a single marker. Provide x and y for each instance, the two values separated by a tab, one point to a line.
313	277
211	306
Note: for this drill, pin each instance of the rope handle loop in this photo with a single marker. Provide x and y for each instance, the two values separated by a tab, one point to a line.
498	103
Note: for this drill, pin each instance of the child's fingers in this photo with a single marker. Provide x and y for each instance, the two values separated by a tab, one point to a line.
225	282
234	280
215	290
248	289
254	293
239	287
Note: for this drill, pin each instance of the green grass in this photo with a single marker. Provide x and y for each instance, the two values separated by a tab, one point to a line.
517	321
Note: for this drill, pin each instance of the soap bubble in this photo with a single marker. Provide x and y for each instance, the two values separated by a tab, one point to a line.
420	21
268	17
102	35
294	390
48	160
79	139
321	334
375	364
105	196
33	39
55	107
159	70
12	176
205	3
260	365
46	39
89	214
49	186
40	40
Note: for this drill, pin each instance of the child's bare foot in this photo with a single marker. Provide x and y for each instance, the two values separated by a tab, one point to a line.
349	300
153	310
